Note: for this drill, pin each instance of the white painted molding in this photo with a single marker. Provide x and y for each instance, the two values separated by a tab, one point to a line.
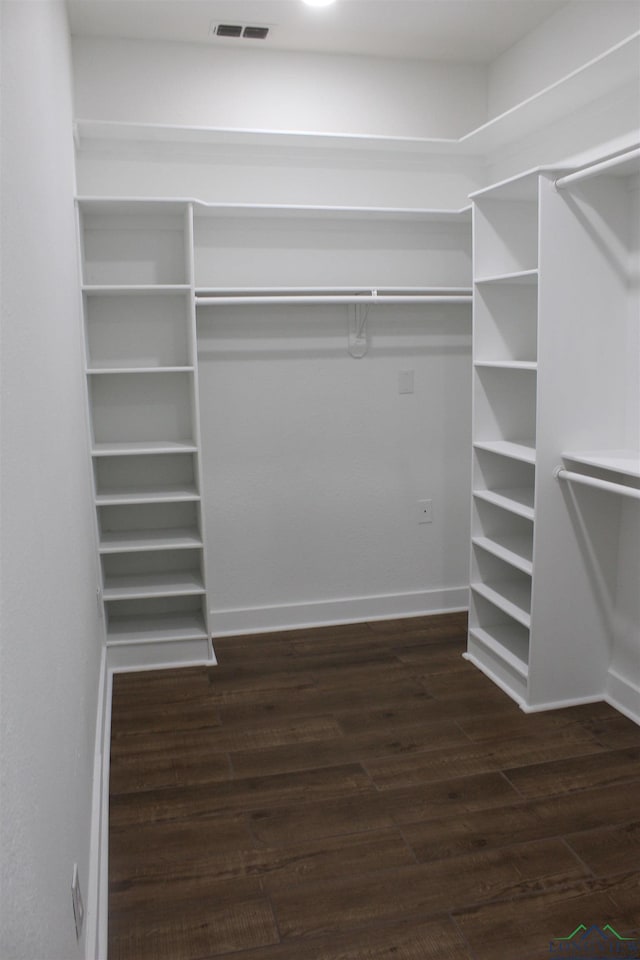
97	887
623	695
325	613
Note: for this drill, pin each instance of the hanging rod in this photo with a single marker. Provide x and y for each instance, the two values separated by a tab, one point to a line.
560	473
596	168
330	298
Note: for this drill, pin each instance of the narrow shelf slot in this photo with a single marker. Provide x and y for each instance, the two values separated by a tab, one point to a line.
507	642
514	550
523	451
123	370
139	586
507	364
114	289
512	598
517	500
181	538
524	277
152	494
139	629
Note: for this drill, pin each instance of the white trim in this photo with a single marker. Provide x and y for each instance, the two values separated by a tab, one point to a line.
323	613
99	813
623	695
562	704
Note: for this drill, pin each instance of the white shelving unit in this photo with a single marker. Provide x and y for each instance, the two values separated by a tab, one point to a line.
138	292
146	266
504	430
555	566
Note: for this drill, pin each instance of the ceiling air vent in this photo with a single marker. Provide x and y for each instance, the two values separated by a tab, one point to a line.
255	33
239	30
228	30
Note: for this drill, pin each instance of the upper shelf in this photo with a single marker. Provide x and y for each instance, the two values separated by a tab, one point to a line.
625	462
160	205
615	67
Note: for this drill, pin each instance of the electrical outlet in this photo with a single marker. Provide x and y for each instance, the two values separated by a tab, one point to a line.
425	511
405	381
78	905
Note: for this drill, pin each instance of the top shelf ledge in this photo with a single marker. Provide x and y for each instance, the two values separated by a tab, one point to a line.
616	66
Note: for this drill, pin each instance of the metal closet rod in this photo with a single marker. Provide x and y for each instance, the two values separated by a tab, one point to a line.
595	168
561	473
331	298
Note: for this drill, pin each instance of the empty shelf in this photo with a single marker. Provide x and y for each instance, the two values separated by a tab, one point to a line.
512	598
138	587
170	494
518	500
508	364
524	451
519	276
506	643
140	629
130	541
626	462
514	550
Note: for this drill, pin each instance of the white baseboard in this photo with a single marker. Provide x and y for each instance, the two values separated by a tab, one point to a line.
324	613
623	695
96	927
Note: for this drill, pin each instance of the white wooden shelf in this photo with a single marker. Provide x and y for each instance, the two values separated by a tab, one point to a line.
112	289
625	462
134	541
96	371
524	451
176	493
141	629
606	72
527	277
514	550
504	642
517	500
142	448
508	364
142	586
512	598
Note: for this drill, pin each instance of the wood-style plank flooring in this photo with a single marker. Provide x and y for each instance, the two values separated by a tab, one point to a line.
362	793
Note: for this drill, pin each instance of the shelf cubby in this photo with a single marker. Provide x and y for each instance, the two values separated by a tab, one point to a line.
123	479
503	533
499	642
505	323
141	409
505	410
506	232
131	246
145	574
505	482
322	249
145	526
137	331
155	620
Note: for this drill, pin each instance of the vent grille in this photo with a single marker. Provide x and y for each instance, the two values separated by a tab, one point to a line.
255	33
228	30
237	30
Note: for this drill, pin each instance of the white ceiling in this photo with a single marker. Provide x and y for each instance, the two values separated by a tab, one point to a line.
454	30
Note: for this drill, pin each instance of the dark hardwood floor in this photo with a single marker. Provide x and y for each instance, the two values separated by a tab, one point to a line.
363	793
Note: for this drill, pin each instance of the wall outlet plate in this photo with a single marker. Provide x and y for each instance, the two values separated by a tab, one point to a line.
78	905
425	511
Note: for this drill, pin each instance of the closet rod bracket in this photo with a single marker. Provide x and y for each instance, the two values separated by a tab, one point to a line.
357	334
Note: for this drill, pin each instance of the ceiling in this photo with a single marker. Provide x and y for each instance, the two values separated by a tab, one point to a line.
454	30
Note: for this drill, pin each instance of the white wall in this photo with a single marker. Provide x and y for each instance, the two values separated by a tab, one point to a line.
50	634
580	31
194	84
315	464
